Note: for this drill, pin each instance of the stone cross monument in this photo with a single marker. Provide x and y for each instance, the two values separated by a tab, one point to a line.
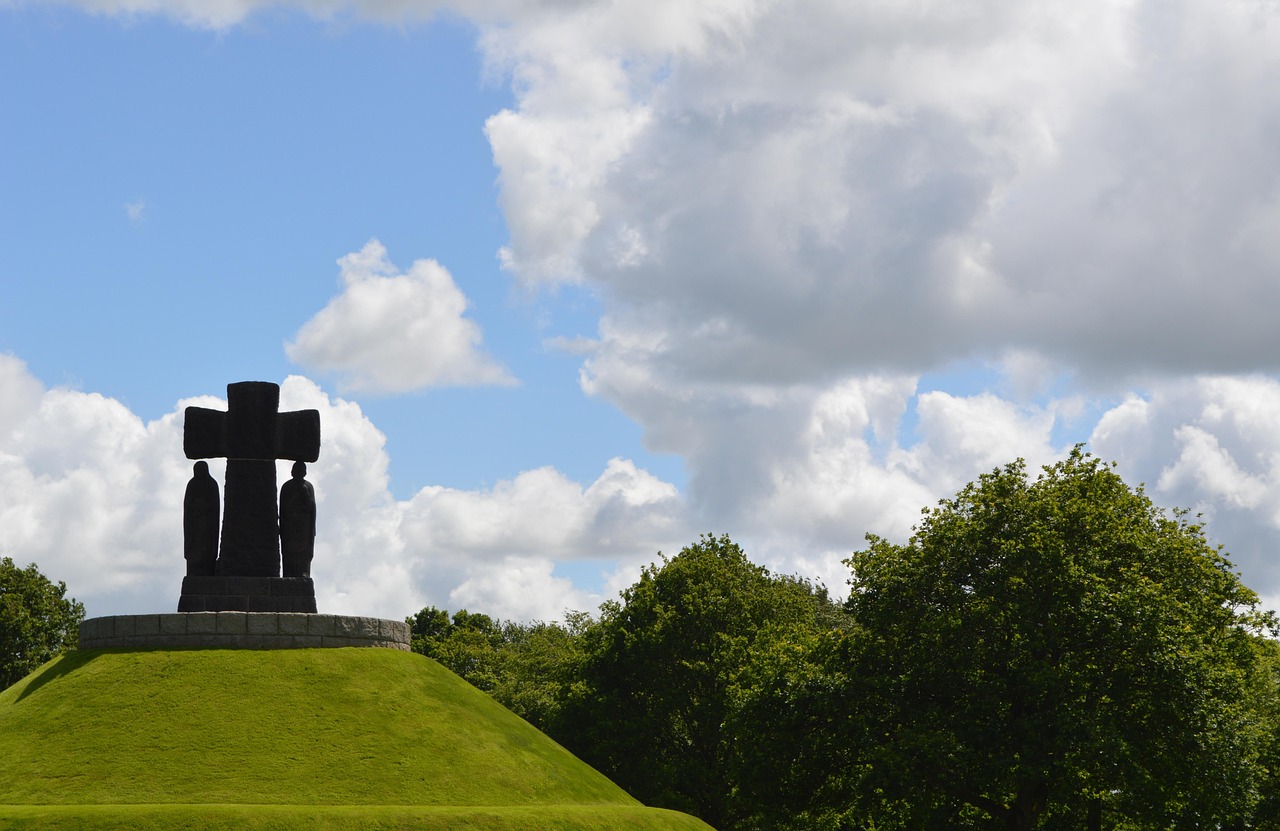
252	434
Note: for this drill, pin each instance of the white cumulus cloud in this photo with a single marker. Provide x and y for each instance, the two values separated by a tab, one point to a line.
393	332
843	186
93	495
1210	444
792	214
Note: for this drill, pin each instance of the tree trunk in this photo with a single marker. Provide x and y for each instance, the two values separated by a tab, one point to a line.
1027	806
1094	821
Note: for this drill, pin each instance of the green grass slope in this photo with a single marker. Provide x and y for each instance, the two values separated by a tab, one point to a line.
314	738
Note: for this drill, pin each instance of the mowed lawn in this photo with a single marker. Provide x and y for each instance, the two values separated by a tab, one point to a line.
314	738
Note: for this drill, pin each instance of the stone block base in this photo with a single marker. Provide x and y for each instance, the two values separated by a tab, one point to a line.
242	630
247	594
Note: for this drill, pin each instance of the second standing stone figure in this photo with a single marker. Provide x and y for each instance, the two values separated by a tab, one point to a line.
297	523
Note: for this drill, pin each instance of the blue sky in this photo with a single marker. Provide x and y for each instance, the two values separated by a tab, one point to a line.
574	283
249	175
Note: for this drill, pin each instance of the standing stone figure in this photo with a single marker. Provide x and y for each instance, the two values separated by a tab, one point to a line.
200	522
297	523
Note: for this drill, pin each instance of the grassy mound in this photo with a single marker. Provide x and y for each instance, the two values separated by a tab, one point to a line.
316	738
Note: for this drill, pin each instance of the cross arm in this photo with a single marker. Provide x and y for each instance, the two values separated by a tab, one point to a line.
298	435
203	434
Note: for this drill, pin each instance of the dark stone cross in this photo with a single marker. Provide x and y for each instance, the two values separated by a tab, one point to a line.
252	434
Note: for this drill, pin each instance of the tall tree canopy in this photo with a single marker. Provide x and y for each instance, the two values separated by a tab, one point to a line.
37	620
1042	650
1051	653
659	670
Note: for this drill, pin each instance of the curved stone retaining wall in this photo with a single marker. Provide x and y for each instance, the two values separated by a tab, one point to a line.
242	630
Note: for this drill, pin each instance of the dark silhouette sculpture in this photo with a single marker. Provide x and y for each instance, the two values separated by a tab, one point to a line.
297	523
200	522
252	434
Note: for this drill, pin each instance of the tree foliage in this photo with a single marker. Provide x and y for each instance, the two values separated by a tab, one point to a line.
528	667
1265	703
1041	651
661	667
469	644
37	620
1050	653
794	763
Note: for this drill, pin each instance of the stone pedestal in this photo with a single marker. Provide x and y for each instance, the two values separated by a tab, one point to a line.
247	594
241	630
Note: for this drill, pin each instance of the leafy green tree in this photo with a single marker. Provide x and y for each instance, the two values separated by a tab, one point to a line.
541	667
1045	653
660	668
527	667
37	620
426	629
1266	704
469	644
797	739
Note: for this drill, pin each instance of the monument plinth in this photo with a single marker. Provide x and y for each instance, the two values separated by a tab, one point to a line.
242	630
247	594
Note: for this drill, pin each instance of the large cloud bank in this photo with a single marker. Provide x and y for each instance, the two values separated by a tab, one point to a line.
794	214
770	192
793	190
93	494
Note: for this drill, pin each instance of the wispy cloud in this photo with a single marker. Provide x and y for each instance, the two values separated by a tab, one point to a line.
136	211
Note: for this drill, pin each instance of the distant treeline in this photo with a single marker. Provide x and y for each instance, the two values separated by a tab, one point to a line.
1048	653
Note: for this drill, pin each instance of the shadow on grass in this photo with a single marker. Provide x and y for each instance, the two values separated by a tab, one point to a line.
77	658
69	663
